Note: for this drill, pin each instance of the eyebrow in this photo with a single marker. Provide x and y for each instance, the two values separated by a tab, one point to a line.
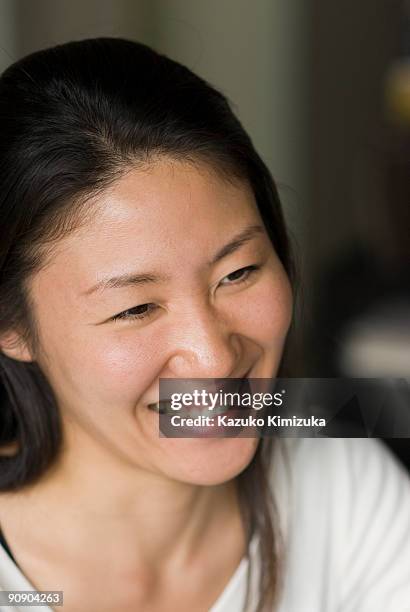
127	280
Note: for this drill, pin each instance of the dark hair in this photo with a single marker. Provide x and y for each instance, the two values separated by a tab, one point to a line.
73	119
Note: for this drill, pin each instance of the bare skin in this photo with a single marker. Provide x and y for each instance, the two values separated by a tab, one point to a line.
127	520
97	573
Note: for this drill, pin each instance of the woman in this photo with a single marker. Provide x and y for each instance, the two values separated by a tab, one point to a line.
142	238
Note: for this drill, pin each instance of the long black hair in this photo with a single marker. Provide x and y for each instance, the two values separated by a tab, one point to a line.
73	119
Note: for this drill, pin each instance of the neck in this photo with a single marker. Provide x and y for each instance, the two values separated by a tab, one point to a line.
143	518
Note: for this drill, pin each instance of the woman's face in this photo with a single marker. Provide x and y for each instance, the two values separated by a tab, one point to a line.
162	235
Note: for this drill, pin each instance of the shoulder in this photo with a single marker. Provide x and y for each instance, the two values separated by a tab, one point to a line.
314	460
345	504
355	476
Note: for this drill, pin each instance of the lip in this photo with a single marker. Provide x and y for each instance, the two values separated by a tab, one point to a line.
162	407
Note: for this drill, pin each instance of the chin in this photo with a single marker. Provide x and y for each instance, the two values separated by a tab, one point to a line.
210	461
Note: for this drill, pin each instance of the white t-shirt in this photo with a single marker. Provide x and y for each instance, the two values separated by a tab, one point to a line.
344	507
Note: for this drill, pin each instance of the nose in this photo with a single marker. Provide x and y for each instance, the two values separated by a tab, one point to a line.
205	346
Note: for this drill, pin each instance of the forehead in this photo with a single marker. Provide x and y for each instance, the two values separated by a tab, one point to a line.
168	214
162	201
168	196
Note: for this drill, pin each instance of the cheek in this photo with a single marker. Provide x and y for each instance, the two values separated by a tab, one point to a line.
124	362
267	311
86	363
100	366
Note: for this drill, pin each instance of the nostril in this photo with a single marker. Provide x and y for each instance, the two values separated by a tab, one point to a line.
196	364
204	347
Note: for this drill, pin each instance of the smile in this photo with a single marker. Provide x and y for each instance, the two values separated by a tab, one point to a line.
168	407
165	407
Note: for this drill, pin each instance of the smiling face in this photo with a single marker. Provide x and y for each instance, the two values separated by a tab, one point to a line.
198	292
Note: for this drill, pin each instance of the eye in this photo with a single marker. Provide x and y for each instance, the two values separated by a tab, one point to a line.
143	311
239	276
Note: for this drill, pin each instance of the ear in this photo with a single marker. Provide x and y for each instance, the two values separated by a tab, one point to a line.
13	346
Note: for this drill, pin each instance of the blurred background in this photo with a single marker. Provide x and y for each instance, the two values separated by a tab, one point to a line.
323	88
